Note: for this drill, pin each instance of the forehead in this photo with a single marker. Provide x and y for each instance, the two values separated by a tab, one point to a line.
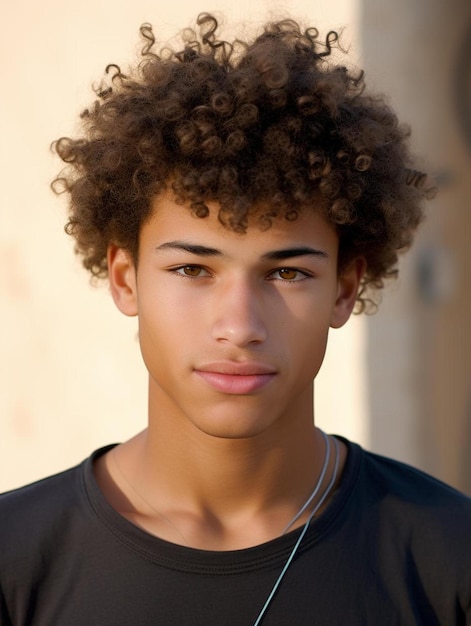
171	221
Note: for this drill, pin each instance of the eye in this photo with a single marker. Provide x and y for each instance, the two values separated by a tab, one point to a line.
288	274
191	271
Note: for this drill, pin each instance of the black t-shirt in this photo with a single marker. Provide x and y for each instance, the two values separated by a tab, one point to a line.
392	548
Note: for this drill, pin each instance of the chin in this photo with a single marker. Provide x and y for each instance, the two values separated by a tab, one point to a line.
233	428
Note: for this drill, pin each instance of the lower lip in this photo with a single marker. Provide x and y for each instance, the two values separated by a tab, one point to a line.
234	384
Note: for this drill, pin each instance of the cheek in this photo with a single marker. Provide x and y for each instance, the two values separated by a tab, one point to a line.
168	326
306	332
311	347
158	328
161	307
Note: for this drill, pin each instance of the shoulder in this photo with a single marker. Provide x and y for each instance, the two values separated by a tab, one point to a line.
408	484
413	504
54	491
37	489
36	521
406	535
39	514
38	508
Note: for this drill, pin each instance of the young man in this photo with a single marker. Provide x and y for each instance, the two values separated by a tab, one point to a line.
241	199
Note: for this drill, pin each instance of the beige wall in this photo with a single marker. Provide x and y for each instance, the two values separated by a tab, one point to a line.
71	377
419	344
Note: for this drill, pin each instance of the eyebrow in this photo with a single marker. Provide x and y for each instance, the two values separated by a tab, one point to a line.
288	253
274	255
189	247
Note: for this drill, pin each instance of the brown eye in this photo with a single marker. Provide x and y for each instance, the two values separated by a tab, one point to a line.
191	270
288	274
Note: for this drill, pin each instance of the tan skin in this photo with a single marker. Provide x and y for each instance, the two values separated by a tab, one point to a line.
233	330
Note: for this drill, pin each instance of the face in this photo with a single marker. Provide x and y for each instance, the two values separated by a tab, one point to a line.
232	327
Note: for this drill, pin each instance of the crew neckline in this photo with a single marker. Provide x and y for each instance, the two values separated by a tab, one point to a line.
182	558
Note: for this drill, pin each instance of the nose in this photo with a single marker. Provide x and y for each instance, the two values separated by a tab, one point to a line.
239	314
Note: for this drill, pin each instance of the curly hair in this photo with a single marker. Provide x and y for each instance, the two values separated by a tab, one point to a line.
269	123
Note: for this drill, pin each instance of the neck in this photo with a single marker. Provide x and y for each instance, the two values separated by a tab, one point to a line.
228	474
218	493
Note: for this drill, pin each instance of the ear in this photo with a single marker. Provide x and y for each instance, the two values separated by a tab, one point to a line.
347	290
122	277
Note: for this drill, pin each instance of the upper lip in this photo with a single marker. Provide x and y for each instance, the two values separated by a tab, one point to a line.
237	369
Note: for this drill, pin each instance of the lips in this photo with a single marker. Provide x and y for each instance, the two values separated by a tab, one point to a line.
236	378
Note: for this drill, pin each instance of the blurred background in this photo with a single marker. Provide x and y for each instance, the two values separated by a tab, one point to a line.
71	377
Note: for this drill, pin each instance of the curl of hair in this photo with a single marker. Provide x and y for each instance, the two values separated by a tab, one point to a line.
269	123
